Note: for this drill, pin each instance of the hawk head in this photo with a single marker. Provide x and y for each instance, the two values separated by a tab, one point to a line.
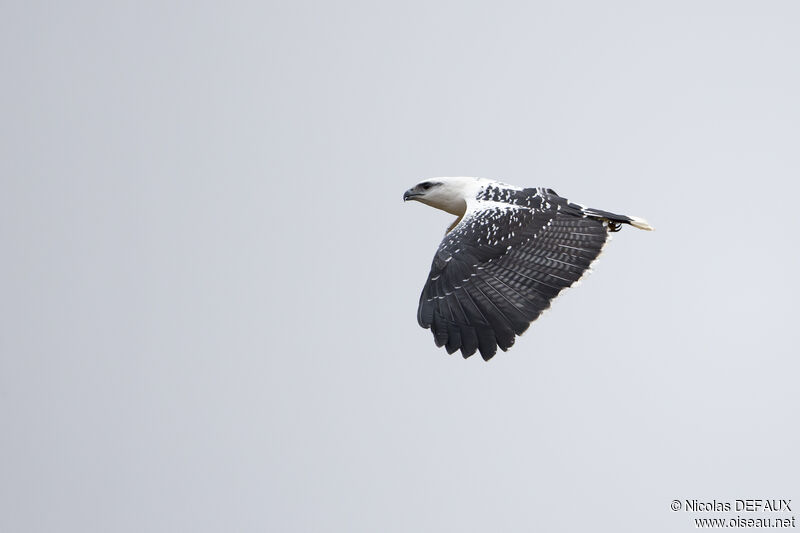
448	194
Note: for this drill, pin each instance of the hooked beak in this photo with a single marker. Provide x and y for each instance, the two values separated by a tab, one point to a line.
410	195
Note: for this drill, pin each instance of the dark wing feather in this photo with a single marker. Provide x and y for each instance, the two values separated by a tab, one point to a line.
501	266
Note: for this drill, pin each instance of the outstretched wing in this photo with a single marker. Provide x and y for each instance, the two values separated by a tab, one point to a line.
501	266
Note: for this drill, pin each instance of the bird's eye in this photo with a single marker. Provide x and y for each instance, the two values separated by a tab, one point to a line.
425	186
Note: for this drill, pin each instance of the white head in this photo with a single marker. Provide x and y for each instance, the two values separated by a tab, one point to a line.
447	194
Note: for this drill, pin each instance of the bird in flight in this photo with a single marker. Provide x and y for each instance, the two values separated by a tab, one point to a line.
507	255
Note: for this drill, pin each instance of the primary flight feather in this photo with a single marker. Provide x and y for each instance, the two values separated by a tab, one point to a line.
503	260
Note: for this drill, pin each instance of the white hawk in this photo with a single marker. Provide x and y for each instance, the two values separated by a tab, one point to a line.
503	260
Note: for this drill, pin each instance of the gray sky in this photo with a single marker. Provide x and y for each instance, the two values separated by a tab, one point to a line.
209	279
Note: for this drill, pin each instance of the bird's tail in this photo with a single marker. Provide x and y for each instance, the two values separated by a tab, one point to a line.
614	220
640	223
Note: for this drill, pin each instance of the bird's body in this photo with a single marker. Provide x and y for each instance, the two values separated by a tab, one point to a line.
507	255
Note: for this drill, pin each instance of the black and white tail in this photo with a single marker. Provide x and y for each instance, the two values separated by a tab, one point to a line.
614	220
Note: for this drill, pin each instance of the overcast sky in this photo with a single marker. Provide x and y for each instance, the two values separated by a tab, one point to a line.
209	280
